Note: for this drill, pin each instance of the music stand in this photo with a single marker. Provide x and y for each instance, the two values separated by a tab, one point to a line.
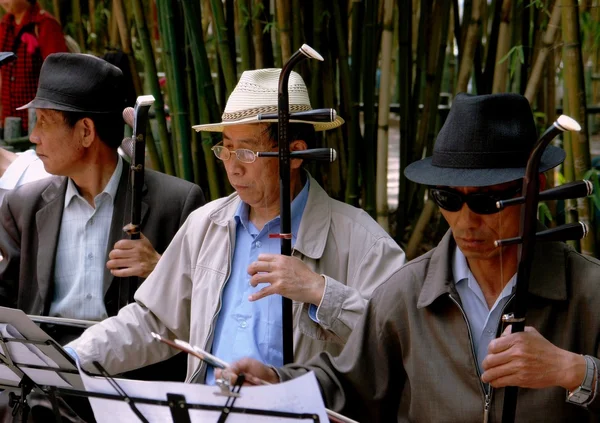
20	374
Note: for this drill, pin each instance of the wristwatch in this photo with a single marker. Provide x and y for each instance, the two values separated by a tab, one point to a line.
582	394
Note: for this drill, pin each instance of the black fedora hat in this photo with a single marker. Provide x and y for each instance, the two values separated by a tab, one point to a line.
74	82
486	140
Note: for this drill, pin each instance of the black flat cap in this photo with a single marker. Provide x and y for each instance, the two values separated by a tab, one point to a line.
73	82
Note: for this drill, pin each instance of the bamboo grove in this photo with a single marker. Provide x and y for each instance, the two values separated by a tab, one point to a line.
403	59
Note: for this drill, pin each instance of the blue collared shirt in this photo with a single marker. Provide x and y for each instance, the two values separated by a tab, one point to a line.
244	328
81	252
482	320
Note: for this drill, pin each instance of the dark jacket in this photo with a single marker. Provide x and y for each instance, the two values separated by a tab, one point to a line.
410	358
30	219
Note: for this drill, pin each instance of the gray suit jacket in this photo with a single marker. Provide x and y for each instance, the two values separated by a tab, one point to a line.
30	219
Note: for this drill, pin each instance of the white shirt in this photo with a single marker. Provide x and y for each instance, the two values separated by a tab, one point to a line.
27	167
81	252
482	320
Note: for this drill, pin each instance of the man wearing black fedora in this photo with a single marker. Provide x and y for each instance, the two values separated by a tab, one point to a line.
427	348
64	250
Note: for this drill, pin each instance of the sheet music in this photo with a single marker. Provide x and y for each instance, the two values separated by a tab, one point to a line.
29	330
24	354
301	395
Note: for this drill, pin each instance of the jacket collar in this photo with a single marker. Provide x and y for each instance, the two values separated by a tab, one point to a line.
314	225
549	280
48	220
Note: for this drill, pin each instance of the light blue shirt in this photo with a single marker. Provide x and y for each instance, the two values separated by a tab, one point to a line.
482	320
252	329
81	252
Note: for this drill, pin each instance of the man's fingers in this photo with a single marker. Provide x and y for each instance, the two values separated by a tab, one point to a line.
497	373
265	292
495	360
125	272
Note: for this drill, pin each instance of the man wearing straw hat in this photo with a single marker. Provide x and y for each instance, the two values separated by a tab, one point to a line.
430	346
220	282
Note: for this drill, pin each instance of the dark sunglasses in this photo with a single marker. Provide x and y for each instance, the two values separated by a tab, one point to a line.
478	202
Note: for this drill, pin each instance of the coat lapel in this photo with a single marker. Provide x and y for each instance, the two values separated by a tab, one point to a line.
121	217
48	220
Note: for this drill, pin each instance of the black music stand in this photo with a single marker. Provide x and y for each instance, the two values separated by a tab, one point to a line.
30	377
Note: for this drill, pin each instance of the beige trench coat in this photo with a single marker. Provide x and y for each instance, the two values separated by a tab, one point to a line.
182	297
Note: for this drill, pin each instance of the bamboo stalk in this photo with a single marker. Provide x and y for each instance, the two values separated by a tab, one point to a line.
177	93
205	91
574	92
93	27
383	115
77	23
370	55
283	25
501	70
296	25
123	27
152	80
164	54
354	148
404	98
344	69
548	41
471	42
113	37
56	10
245	34
257	33
225	55
412	248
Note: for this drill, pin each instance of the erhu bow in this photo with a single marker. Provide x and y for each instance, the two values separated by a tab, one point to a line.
143	103
528	236
323	154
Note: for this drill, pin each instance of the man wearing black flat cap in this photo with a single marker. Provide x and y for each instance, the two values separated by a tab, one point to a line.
429	347
61	238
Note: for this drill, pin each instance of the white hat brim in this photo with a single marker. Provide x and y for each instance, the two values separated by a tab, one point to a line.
218	127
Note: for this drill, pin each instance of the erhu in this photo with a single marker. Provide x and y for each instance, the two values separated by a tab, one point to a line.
284	155
128	285
528	235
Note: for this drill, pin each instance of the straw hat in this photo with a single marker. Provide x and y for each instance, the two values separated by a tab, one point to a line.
256	93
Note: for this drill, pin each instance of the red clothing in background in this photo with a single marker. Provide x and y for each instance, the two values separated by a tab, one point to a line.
38	35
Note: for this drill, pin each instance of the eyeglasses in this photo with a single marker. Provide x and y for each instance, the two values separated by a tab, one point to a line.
243	154
479	202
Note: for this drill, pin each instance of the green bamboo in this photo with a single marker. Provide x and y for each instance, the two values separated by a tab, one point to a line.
296	25
152	79
77	23
404	86
370	53
56	10
574	91
205	90
245	34
225	54
177	91
354	149
197	153
283	27
319	34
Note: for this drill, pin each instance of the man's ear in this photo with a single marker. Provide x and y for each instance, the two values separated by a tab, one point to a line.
87	129
297	145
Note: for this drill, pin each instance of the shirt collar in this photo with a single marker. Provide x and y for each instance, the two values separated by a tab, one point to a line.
461	272
297	208
110	188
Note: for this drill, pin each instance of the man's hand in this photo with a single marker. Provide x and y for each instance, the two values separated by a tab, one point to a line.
132	258
287	276
254	372
528	360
